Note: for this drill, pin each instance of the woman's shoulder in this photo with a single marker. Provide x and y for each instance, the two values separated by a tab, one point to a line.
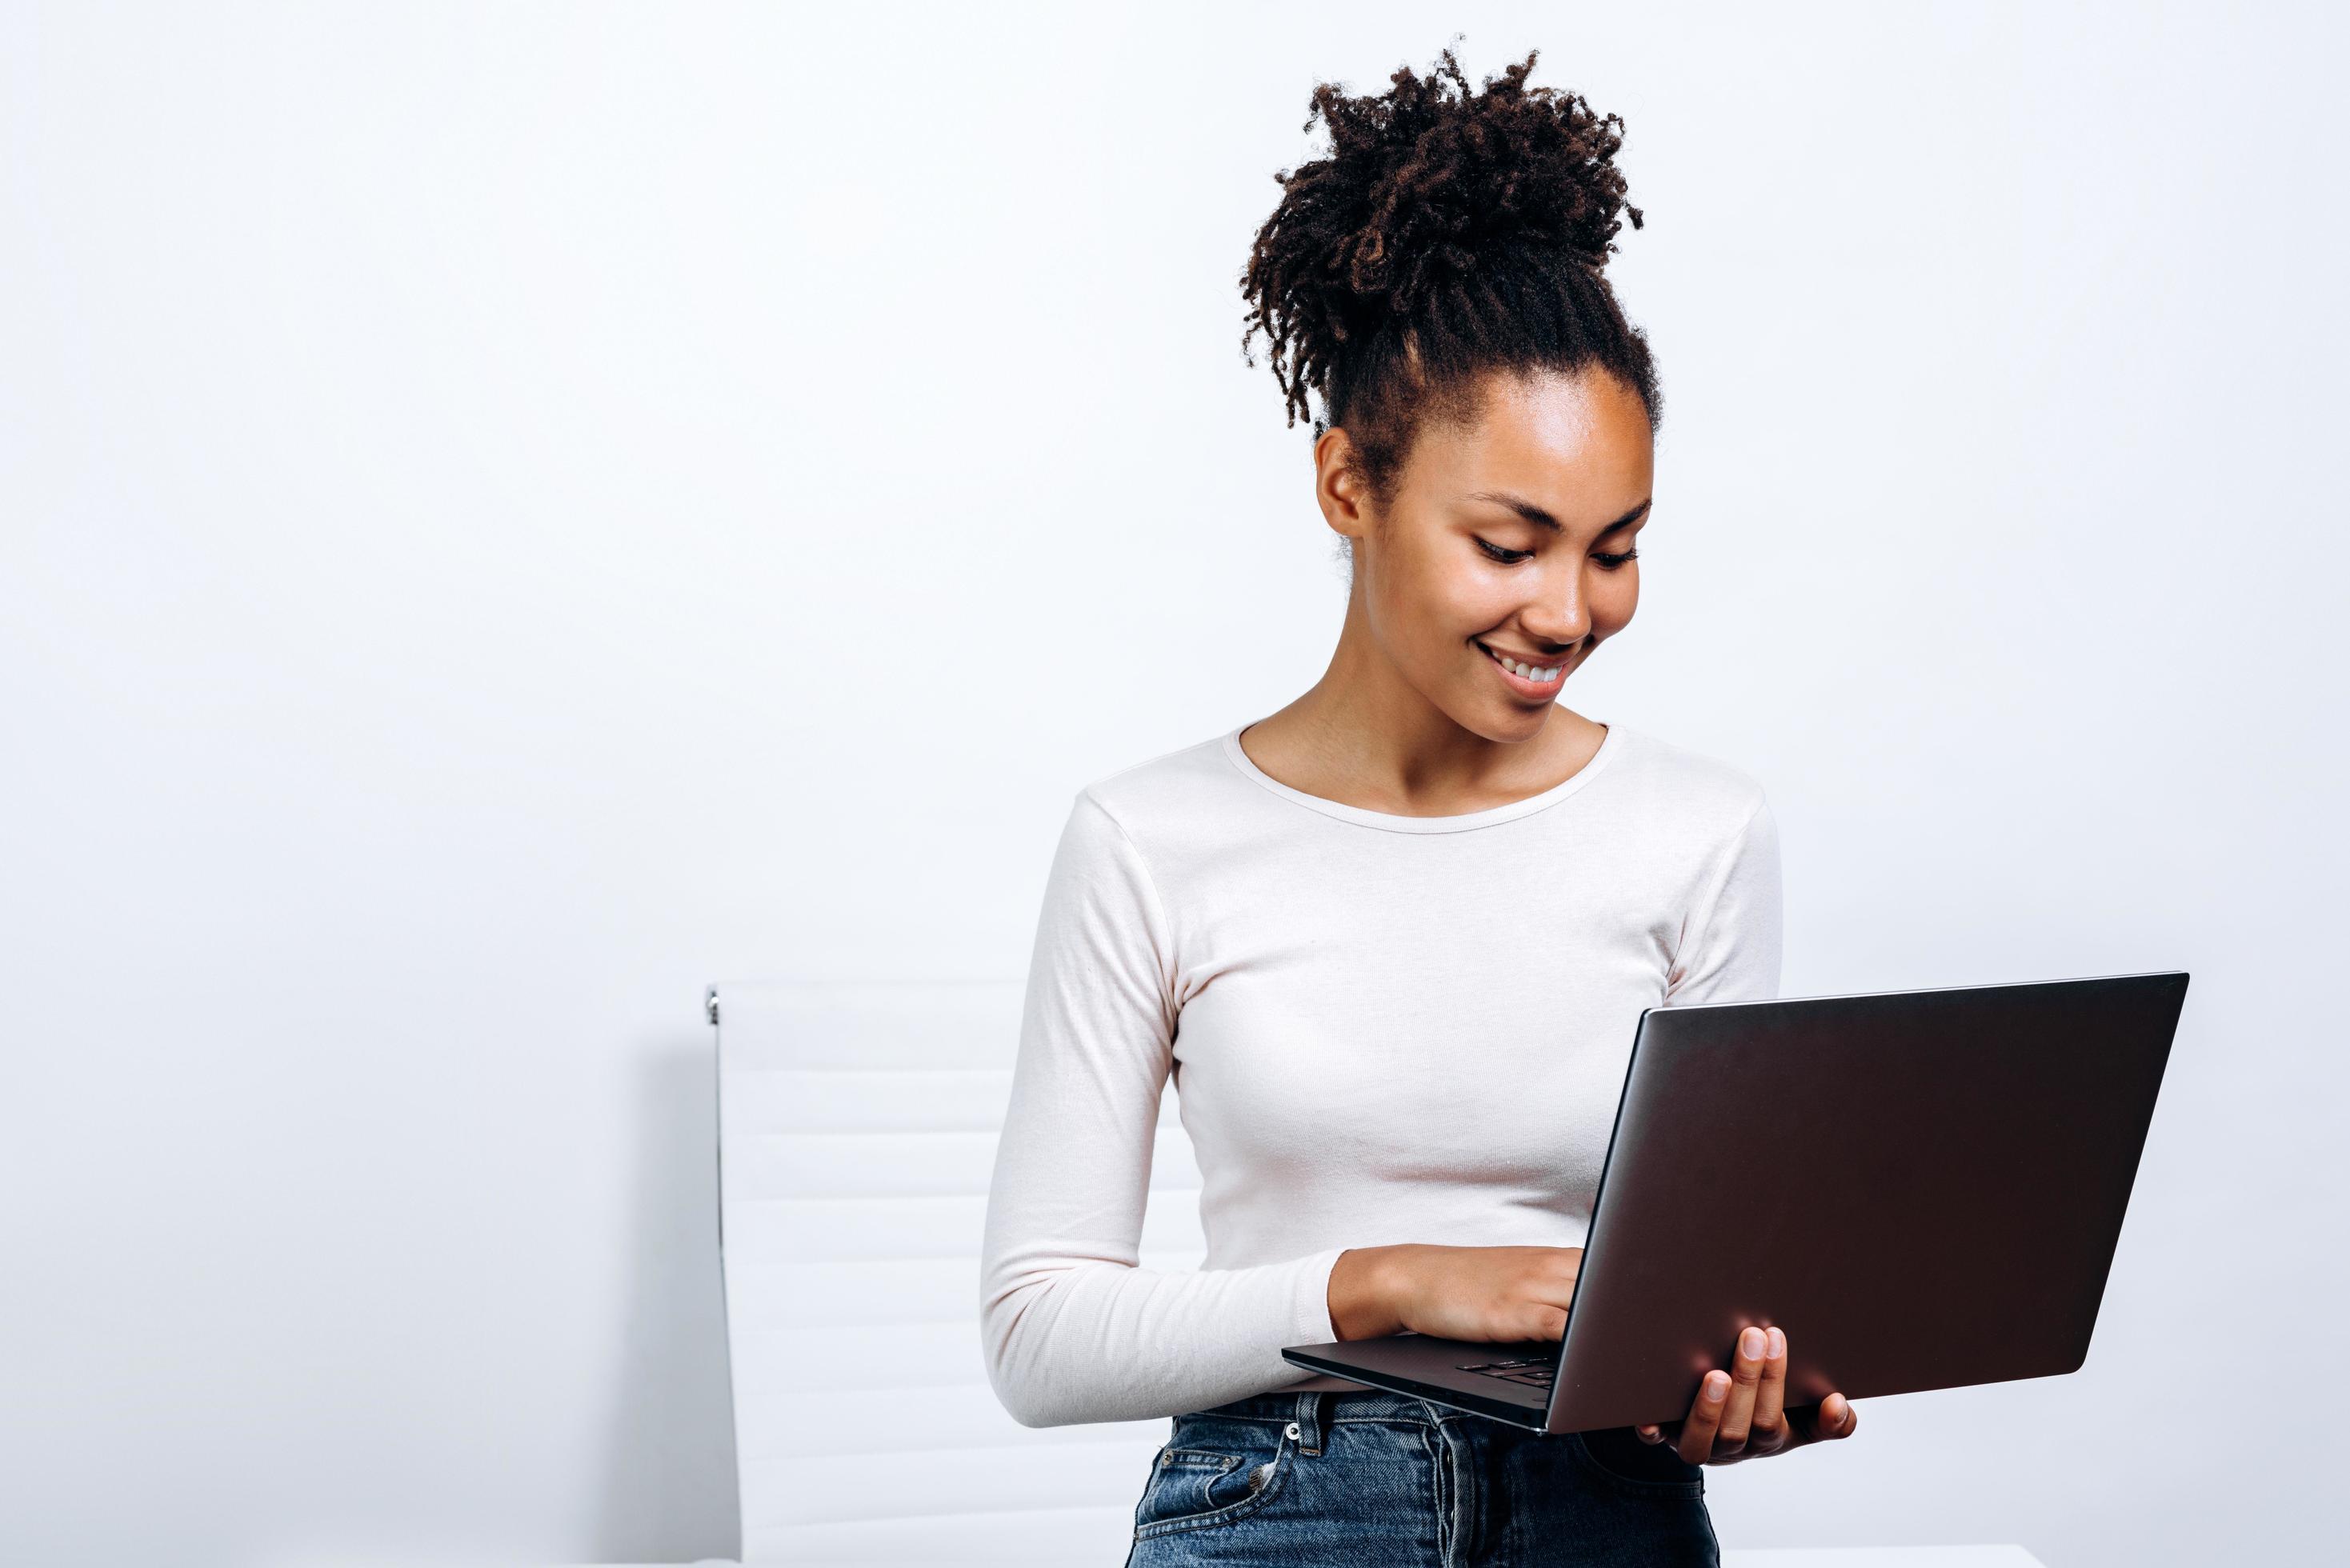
1183	786
1690	785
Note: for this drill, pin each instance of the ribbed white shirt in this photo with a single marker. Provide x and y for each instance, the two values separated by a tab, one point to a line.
1381	1029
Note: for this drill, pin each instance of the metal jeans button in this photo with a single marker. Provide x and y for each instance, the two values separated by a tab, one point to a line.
1293	1434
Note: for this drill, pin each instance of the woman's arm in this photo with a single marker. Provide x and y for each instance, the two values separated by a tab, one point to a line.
1731	952
1733	934
1453	1293
1074	1330
1367	1293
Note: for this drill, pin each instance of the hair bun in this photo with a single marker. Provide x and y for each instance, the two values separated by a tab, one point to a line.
1452	232
1424	181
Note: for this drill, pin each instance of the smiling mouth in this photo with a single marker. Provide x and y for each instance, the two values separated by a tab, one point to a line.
1527	671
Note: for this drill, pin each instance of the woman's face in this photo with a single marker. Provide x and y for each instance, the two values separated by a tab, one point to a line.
1509	536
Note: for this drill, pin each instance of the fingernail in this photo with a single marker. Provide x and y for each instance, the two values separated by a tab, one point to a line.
1751	1344
1778	1343
1717	1383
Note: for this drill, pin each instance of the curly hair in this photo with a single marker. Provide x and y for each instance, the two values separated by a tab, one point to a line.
1449	234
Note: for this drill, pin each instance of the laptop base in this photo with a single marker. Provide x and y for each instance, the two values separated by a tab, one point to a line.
1426	1367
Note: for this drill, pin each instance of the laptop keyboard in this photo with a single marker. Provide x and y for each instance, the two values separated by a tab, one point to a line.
1535	1371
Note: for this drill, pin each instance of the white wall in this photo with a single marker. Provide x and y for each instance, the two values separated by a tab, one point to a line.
455	462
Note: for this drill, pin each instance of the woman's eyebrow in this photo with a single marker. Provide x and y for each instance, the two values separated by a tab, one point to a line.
1533	513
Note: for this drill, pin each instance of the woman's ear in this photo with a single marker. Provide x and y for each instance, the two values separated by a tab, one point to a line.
1339	486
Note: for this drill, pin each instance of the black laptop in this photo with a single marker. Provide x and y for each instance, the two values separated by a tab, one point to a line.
1922	1187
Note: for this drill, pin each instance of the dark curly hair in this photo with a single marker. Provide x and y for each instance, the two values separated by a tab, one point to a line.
1449	232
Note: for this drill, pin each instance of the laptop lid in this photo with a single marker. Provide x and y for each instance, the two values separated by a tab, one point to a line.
1923	1188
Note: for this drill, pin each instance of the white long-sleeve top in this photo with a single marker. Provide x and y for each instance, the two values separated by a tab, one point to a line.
1381	1029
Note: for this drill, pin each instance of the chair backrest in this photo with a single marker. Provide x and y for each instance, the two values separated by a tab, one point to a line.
857	1123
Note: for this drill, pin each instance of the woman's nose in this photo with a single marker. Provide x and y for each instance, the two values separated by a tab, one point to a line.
1556	622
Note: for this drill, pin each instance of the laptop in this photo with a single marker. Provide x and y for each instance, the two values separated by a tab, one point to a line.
1924	1189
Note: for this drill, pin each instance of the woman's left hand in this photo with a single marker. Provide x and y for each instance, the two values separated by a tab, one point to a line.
1742	1414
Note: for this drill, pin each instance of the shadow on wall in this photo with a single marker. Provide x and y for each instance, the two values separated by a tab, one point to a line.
669	1493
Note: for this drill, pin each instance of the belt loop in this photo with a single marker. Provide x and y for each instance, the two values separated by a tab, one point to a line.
1311	1416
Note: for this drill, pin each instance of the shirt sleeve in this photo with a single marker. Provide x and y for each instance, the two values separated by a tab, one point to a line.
1074	1329
1730	949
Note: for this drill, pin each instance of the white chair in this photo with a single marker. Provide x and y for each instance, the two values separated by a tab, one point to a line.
857	1126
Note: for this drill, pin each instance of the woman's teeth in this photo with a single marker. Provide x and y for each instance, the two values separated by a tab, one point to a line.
1529	671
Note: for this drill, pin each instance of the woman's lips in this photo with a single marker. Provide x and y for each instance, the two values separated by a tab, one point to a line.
1541	690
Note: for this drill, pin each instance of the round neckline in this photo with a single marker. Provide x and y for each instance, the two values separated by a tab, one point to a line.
1392	822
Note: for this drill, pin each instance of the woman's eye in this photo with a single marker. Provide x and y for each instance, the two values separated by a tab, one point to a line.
1608	560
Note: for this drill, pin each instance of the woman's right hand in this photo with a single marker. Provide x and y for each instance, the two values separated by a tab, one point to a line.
1501	1293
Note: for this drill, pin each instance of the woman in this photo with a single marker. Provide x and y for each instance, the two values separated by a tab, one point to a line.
1392	941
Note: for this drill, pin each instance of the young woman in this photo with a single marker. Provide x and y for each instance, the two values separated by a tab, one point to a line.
1392	941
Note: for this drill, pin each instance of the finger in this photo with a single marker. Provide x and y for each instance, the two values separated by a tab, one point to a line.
1650	1434
1833	1416
1769	1432
1696	1443
1746	1383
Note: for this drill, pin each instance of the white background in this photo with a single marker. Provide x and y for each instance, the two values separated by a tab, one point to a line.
512	513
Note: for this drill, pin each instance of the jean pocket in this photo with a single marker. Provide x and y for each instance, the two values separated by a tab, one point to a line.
1617	1456
1196	1485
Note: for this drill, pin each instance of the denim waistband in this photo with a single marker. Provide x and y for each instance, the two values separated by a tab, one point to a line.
1313	1409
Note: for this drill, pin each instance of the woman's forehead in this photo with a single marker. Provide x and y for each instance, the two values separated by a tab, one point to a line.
1581	443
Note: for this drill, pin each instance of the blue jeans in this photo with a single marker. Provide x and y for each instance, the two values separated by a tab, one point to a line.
1386	1480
